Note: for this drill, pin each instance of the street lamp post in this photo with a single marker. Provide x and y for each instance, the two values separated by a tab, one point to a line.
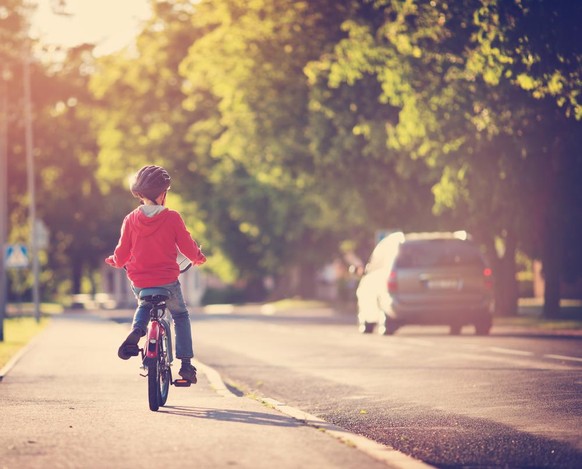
3	196
31	185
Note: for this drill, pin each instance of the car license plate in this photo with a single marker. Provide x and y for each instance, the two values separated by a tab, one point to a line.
443	284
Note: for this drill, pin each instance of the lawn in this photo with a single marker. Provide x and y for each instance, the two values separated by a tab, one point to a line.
17	333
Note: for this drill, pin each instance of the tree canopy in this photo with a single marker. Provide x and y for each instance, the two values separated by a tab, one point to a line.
293	127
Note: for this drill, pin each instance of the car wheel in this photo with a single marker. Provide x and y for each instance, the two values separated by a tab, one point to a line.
388	327
366	327
455	329
483	325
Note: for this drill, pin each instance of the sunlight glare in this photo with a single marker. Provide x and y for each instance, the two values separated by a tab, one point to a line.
110	24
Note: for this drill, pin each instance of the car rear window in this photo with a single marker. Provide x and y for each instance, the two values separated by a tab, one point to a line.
438	253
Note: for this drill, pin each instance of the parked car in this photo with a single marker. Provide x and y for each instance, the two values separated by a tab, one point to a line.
426	278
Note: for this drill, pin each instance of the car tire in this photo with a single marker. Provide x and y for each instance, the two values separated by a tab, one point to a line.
388	327
455	329
483	325
366	327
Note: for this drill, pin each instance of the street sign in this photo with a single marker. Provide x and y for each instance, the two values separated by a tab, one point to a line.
16	256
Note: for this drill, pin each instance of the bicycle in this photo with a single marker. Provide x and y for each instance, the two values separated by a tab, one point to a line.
157	356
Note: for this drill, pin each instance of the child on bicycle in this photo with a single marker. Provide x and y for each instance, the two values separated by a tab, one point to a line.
148	248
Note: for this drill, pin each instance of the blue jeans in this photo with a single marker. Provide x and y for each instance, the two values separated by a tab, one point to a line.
180	317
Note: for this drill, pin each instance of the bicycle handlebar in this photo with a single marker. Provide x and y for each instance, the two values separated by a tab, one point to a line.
183	262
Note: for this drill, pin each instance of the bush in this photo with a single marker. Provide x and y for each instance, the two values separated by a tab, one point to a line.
228	295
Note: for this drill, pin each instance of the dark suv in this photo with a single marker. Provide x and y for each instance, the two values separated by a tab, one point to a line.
426	278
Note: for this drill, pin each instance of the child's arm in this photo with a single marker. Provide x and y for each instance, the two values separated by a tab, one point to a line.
122	252
186	244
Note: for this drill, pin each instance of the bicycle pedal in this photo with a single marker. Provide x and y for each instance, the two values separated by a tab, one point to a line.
182	383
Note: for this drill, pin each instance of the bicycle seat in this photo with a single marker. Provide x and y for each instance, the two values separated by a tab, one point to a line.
154	295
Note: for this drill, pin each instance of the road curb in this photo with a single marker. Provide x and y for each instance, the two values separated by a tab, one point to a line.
386	454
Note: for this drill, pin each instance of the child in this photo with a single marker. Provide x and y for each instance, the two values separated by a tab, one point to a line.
148	247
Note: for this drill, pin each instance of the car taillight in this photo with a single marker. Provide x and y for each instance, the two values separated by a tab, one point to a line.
488	278
392	283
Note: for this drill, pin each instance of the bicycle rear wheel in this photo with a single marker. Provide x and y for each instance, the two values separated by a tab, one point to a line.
154	384
159	379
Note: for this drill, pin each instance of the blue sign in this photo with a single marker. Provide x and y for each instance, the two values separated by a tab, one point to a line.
16	256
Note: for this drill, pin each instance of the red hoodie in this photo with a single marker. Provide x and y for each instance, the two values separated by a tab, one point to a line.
148	248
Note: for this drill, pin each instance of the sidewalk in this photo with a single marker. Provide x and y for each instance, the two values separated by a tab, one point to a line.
70	402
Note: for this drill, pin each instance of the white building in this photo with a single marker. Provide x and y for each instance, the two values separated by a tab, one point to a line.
117	288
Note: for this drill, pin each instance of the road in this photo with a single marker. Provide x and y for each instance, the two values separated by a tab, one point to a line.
506	400
297	379
71	403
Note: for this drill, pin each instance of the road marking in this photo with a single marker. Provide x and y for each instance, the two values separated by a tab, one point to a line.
511	351
386	454
563	357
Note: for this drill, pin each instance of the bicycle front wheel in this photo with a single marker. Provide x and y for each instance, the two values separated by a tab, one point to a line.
165	375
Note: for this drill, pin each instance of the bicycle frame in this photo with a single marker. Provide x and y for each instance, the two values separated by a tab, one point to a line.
157	356
158	334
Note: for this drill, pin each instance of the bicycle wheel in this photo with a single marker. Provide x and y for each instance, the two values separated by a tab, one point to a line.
154	384
164	373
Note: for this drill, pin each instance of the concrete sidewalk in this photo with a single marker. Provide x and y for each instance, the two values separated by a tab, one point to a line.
71	403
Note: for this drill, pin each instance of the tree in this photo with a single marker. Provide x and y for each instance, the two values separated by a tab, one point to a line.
69	200
534	45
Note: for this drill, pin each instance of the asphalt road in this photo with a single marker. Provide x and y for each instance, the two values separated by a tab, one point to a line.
71	403
510	400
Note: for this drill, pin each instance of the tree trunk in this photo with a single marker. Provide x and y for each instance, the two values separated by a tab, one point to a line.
307	281
76	275
255	290
551	272
285	284
507	291
553	241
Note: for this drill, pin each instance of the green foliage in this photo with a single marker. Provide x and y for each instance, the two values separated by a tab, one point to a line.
292	128
533	44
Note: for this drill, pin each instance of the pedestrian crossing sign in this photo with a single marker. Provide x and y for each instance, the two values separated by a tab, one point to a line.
16	256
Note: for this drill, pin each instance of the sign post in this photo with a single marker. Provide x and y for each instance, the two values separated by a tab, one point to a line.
3	194
16	257
29	145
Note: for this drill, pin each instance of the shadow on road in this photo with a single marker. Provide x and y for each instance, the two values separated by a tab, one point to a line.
228	415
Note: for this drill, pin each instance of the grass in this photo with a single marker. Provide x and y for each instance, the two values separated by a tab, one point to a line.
18	309
540	323
17	333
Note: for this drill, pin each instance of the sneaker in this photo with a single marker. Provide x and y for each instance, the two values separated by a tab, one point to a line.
129	346
188	371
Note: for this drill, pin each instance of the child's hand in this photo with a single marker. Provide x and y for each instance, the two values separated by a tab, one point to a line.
201	258
111	261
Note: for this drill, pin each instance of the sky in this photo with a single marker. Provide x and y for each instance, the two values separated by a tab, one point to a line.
112	24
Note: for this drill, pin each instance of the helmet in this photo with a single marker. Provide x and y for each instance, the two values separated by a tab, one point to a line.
150	181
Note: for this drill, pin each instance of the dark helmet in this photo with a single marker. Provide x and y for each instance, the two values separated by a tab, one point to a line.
150	181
